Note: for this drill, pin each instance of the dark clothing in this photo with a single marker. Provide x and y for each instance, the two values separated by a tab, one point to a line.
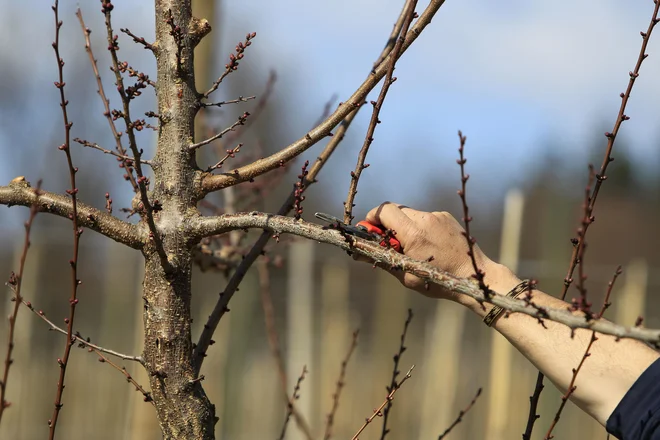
637	416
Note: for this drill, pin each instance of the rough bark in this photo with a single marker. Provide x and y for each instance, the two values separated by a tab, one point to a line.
184	411
20	192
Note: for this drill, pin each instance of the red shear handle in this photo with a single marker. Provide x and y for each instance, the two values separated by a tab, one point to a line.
373	229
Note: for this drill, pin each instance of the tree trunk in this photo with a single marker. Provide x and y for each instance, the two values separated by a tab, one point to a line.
184	411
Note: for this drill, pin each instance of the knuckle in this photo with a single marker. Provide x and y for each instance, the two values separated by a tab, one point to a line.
441	214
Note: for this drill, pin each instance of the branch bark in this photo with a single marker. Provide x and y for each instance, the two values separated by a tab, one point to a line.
246	173
206	226
19	192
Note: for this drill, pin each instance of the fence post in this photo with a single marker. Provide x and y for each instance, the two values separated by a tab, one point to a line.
631	301
335	336
19	419
299	347
498	424
440	368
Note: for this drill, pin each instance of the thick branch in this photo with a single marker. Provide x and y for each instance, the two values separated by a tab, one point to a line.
207	226
20	193
216	182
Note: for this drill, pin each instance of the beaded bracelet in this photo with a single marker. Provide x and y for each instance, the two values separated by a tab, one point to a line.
497	310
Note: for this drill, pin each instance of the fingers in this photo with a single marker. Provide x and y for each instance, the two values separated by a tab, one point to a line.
390	215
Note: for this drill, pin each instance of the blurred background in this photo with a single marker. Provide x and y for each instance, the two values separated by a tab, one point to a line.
533	86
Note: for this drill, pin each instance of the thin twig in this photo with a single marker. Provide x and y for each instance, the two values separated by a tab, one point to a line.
230	101
241	120
299	190
231	153
377	105
85	343
76	337
137	39
611	137
571	386
600	178
377	412
582	302
129	378
127	159
294	397
233	63
77	231
395	372
471	241
106	104
142	181
15	283
460	415
339	386
142	77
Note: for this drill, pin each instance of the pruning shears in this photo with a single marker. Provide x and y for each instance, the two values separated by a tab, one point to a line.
362	229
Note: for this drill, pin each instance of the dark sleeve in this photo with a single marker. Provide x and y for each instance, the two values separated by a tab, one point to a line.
637	416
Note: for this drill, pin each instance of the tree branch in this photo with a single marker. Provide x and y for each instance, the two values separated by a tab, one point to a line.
378	411
128	160
217	182
206	226
147	208
257	249
241	121
375	114
461	413
76	337
106	105
77	231
85	343
600	178
339	385
15	284
19	192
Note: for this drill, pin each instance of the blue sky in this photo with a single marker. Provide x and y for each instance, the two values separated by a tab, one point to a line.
512	75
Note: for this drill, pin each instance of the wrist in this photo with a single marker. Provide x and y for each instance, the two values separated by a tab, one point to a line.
498	278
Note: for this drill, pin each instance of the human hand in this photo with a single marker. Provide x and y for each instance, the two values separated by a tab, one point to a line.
430	234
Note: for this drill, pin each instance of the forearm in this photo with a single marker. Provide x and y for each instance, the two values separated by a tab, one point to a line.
605	376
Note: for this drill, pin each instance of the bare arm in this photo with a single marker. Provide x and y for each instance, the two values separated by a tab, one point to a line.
608	373
606	376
